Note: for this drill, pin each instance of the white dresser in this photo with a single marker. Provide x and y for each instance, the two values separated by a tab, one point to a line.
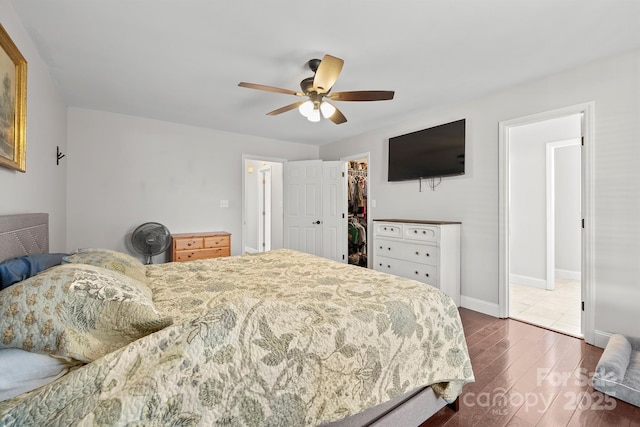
428	251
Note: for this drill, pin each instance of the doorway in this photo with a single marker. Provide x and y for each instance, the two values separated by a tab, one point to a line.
545	214
262	204
545	195
357	207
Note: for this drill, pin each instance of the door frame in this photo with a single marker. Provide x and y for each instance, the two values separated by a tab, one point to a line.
587	110
264	203
345	225
246	157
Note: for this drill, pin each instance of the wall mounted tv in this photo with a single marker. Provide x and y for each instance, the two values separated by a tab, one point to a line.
429	153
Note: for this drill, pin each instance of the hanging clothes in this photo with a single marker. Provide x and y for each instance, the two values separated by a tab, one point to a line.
353	233
357	207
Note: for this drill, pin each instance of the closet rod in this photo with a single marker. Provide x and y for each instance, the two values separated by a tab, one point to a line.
358	172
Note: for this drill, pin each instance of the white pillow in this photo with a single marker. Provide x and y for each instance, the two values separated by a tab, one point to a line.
22	371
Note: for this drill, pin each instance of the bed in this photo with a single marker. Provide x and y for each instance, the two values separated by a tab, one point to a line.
280	338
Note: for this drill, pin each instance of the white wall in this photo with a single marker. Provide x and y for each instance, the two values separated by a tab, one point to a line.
42	188
614	85
124	170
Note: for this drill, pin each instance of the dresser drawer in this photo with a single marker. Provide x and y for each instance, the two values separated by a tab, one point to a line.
427	251
423	233
188	243
410	270
388	229
216	241
191	246
412	252
190	255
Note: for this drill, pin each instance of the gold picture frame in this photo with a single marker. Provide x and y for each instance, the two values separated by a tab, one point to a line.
13	104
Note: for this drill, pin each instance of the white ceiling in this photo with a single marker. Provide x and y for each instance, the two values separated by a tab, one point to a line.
181	60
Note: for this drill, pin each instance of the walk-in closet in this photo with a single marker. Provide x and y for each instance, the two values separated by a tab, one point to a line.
357	211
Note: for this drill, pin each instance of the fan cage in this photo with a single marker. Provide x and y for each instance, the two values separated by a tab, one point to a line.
150	239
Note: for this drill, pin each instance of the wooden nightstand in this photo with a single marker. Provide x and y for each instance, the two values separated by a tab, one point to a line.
191	246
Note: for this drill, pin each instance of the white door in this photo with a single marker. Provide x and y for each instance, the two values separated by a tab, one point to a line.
303	206
333	210
314	208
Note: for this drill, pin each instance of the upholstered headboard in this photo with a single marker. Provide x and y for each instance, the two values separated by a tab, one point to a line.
23	234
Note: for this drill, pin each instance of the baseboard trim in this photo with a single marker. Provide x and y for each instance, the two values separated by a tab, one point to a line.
601	338
249	250
480	306
567	274
528	281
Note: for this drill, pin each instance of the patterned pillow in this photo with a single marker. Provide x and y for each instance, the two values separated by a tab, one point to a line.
78	311
110	259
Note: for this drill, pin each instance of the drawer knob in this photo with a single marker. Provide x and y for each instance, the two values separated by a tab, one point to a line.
380	247
385	228
389	248
415	231
417	272
388	266
424	232
427	274
427	253
417	253
380	264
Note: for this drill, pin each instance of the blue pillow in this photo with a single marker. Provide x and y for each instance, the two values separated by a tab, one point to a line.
17	269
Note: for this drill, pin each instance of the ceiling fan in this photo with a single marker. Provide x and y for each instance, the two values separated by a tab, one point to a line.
317	91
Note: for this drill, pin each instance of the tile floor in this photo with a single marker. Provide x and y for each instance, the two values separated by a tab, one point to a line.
558	310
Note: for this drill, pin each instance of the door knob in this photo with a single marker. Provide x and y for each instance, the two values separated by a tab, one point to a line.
317	222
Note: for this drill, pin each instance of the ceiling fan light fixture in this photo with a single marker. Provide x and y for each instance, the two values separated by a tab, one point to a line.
317	88
314	116
327	109
306	108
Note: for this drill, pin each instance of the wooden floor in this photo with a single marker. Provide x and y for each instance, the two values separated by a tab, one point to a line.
530	376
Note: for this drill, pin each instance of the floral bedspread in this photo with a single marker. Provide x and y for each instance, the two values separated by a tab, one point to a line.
275	339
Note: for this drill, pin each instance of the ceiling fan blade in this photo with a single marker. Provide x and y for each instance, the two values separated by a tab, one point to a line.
337	117
362	95
285	108
327	73
270	88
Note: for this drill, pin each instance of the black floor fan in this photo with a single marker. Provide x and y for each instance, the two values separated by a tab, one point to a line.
150	239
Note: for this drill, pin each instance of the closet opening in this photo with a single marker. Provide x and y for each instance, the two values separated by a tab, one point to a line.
357	211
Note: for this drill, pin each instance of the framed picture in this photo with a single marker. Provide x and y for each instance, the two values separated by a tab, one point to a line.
13	104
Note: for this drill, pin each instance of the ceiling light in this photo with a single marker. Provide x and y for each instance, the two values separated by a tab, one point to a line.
327	109
306	108
314	116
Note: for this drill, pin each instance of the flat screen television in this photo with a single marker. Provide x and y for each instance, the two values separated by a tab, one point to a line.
429	153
